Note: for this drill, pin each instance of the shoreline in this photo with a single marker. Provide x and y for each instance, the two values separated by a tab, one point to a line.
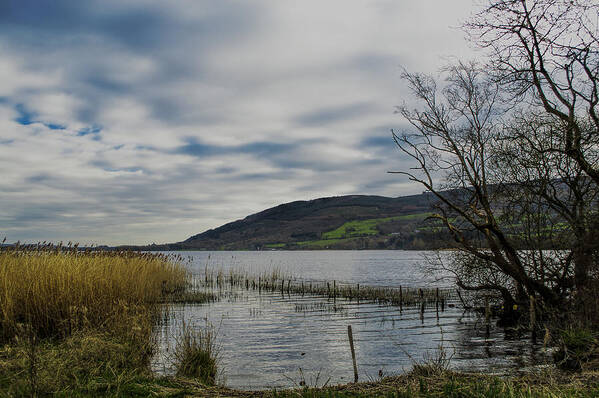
425	381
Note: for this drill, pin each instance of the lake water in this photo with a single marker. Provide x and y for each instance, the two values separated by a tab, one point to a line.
266	337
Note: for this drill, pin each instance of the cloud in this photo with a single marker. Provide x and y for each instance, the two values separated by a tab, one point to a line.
323	117
142	121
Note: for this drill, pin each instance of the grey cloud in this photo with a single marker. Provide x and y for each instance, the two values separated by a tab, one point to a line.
144	99
378	141
37	178
141	27
38	213
263	149
80	38
321	117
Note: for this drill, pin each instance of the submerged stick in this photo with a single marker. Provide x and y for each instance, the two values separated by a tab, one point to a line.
533	320
353	352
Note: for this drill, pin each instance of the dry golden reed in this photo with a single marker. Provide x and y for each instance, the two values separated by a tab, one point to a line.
55	290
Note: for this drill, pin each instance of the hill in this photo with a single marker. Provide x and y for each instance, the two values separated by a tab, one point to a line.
341	222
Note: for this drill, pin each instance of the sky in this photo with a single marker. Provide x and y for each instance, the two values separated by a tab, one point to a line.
141	121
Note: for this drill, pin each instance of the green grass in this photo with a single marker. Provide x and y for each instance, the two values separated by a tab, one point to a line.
84	364
323	242
350	230
275	245
367	227
448	385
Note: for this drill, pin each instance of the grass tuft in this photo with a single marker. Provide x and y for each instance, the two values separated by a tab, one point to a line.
196	354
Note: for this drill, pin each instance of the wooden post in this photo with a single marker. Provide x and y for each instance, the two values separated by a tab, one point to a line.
288	287
353	352
487	316
302	288
400	298
334	291
358	292
259	285
421	294
328	289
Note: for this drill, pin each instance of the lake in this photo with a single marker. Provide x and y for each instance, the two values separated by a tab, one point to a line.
266	337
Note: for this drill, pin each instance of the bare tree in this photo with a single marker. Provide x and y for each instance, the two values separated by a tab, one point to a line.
501	187
511	151
455	132
547	53
557	199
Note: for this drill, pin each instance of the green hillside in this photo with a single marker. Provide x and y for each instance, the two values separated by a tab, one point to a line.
342	222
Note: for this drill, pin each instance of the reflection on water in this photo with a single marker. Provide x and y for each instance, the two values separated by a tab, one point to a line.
266	337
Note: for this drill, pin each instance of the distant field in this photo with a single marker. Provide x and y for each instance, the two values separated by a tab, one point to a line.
349	231
367	227
274	245
323	242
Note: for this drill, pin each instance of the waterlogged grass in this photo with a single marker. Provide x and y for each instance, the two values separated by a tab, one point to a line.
275	280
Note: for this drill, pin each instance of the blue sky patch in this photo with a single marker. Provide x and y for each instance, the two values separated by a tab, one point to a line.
25	117
89	130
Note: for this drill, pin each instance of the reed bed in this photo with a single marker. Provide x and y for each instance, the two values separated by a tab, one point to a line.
54	290
276	281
